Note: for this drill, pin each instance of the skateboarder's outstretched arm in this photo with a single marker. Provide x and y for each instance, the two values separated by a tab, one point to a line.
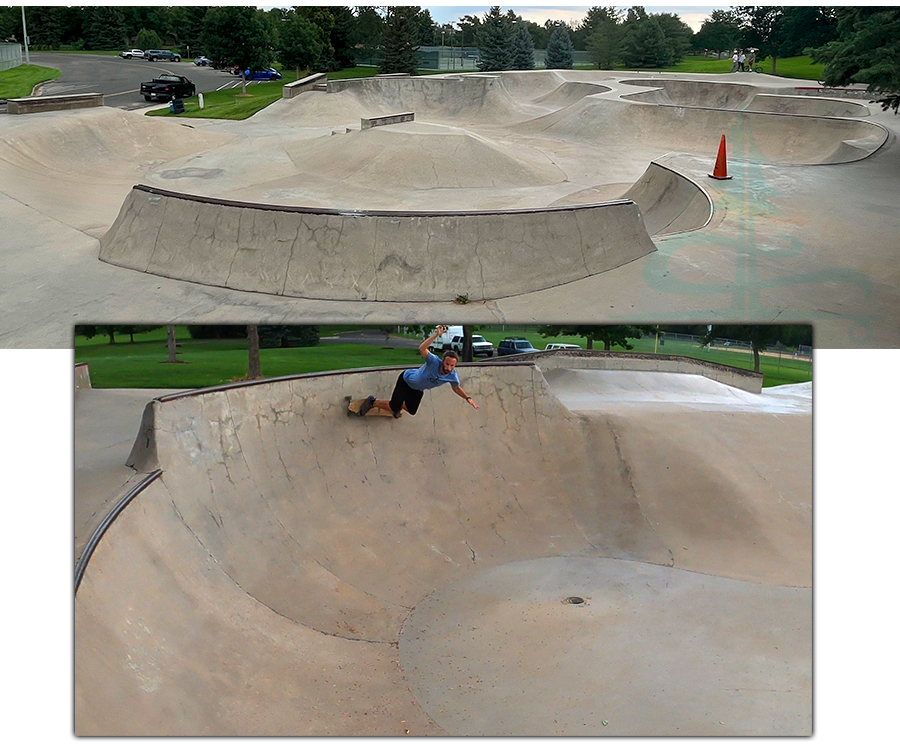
423	347
459	392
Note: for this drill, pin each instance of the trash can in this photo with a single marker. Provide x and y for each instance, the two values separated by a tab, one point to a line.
177	106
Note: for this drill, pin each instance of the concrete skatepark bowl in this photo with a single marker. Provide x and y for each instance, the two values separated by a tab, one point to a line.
530	194
609	546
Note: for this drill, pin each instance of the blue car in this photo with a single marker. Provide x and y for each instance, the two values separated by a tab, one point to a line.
269	74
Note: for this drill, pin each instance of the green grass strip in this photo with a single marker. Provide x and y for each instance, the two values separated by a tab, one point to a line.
21	80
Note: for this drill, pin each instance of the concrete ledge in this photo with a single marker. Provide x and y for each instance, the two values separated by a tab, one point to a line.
373	122
746	380
27	105
370	255
290	90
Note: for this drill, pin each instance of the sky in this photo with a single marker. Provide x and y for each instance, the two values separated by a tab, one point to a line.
693	16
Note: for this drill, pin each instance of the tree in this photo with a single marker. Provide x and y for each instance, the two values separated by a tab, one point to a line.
342	36
763	29
237	36
401	50
44	27
105	28
559	50
604	40
523	51
721	32
299	46
760	337
147	39
171	345
645	44
611	336
368	32
254	370
496	41
468	354
677	34
866	50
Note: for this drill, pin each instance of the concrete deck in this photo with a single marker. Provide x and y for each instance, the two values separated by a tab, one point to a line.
805	230
298	571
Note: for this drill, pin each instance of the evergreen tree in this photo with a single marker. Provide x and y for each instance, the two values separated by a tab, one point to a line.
400	47
866	50
604	41
523	59
105	28
44	27
645	45
342	36
559	50
496	41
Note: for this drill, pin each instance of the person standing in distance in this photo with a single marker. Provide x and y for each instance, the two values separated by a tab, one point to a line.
414	382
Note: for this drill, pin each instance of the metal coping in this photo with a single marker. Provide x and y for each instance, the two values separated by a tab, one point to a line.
88	551
318	374
367	213
504	361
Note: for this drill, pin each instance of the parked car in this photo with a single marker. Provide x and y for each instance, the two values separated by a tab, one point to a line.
202	60
154	55
269	74
481	347
555	345
515	347
168	87
128	54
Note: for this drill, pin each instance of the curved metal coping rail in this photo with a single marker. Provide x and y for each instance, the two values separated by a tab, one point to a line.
92	543
367	212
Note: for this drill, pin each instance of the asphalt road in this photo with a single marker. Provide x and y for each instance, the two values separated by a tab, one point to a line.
119	80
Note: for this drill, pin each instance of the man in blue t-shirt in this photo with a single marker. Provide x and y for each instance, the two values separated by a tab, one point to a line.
413	383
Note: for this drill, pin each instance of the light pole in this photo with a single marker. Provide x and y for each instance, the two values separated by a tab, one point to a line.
25	37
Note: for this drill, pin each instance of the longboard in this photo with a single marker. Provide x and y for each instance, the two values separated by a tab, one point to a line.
353	406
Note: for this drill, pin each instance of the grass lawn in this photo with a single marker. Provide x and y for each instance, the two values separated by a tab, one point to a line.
211	362
801	67
776	370
21	80
230	104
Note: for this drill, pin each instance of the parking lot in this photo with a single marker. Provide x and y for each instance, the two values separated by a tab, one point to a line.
119	80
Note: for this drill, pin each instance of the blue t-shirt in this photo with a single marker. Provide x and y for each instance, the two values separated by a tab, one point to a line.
429	375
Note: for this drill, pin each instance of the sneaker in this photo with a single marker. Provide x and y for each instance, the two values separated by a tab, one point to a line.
398	414
366	406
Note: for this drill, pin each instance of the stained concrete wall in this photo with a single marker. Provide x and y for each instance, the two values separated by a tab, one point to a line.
384	256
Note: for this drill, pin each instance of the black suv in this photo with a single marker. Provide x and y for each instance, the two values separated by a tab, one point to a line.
515	347
154	55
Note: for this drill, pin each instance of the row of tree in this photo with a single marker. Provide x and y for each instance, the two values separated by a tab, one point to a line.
857	44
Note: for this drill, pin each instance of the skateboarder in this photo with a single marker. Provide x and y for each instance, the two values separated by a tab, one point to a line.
414	382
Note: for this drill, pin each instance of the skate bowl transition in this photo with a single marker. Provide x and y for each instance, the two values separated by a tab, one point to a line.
608	546
502	185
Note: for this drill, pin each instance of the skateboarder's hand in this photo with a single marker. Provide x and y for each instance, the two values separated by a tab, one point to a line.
471	401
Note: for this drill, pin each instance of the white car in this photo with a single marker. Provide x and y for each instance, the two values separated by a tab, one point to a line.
128	54
561	346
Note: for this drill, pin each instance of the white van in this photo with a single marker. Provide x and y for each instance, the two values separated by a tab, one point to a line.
561	346
445	340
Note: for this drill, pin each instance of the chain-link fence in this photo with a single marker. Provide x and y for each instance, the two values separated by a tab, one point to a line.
448	58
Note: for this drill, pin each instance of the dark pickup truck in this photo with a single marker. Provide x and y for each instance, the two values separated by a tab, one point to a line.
168	87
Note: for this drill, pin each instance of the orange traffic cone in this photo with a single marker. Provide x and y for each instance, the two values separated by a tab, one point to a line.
721	169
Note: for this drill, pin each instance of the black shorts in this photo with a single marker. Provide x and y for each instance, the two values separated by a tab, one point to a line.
405	394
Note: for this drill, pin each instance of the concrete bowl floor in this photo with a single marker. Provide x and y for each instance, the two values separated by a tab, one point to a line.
812	177
299	571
